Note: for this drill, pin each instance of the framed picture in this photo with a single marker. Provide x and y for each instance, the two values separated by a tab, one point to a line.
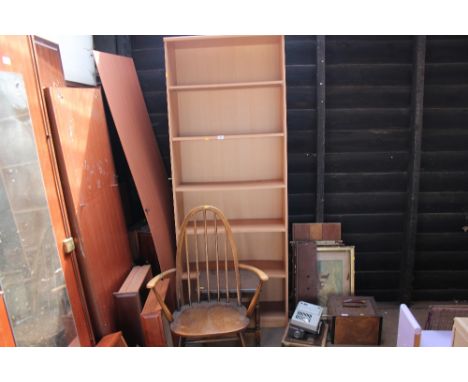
335	267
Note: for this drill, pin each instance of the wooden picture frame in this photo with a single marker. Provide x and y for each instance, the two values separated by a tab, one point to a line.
335	266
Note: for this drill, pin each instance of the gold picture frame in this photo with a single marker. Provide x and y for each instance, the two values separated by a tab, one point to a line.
335	267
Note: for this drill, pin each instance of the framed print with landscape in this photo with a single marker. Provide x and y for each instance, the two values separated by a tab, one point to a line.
335	267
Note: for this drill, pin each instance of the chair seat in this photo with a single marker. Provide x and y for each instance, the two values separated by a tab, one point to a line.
207	319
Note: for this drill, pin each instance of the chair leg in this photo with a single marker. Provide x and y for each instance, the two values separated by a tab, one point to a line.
242	339
257	325
181	341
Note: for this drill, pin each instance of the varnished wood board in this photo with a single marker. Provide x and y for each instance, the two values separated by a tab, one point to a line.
93	200
123	92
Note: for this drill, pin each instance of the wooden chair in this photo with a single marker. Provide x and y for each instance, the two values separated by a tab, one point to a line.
207	279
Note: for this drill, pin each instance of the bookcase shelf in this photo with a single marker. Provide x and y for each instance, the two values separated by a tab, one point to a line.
227	128
215	186
223	137
231	85
249	225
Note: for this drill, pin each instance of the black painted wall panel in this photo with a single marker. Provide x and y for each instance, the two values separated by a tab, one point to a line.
368	108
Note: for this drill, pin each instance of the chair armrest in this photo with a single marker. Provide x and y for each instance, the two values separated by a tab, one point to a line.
262	277
152	285
260	274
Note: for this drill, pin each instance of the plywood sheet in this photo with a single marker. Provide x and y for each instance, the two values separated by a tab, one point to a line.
88	176
123	92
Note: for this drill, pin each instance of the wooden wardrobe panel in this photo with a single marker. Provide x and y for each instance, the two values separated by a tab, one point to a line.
123	92
17	55
88	175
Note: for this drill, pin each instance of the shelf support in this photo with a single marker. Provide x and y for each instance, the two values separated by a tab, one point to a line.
414	166
320	88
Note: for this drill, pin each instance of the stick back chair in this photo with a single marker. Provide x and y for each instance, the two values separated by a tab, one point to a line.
207	280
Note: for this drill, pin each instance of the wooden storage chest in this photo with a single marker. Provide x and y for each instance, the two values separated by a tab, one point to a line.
354	320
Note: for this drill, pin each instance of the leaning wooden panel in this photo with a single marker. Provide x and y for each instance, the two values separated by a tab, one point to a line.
93	200
113	340
123	92
18	55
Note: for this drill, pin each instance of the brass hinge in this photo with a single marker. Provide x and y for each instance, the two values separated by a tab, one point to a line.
68	245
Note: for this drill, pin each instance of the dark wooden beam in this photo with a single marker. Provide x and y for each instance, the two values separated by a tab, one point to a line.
320	185
417	107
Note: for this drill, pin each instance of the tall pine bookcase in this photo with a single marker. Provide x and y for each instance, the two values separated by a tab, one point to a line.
227	126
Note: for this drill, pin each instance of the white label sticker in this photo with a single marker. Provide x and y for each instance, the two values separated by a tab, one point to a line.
6	60
220	137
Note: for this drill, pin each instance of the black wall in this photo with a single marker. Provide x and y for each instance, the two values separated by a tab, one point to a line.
368	132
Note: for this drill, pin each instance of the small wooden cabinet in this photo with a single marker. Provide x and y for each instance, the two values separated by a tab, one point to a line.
227	126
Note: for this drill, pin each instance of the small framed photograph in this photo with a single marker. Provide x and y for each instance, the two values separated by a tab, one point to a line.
335	267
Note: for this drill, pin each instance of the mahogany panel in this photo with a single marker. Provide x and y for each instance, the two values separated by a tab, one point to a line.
88	176
17	55
127	105
6	333
49	63
115	340
155	331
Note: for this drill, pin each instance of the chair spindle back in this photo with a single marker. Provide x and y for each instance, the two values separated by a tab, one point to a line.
195	247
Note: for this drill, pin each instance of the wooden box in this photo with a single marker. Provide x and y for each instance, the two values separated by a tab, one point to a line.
354	320
156	330
460	332
317	231
129	302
